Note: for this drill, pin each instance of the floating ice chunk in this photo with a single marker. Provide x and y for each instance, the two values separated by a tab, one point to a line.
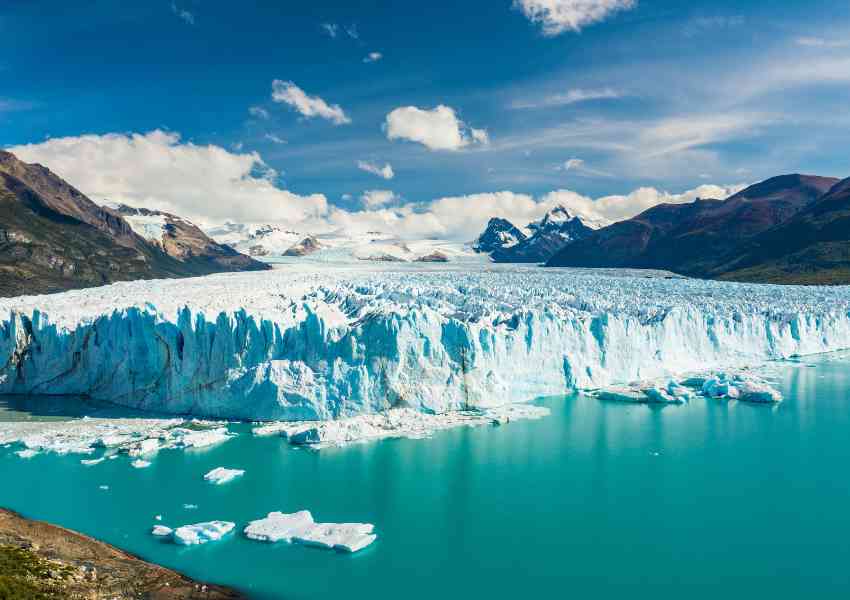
158	517
161	530
104	487
745	387
278	526
299	527
140	464
145	447
348	537
93	461
220	475
27	453
190	506
393	423
201	533
188	438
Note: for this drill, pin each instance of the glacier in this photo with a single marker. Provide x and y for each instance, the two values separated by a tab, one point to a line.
310	344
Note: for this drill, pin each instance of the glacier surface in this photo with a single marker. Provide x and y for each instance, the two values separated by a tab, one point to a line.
308	345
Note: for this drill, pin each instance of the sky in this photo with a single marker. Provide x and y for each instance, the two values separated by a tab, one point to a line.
425	118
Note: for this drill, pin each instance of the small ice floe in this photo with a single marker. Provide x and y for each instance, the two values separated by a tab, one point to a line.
140	464
299	527
104	487
158	517
393	423
647	392
161	530
92	461
27	453
740	386
138	438
220	475
190	507
201	533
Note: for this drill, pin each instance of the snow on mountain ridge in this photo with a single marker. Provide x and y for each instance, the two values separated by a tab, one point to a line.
307	345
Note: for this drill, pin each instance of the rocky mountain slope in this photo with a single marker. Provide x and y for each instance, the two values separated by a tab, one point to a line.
813	247
695	238
183	240
53	238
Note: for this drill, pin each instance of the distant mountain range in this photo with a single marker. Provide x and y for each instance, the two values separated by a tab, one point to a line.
54	238
506	243
787	229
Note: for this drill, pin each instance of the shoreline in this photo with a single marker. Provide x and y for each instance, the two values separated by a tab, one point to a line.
94	569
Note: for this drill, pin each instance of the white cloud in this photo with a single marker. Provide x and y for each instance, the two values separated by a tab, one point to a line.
373	57
258	112
580	167
699	25
819	42
159	171
683	133
558	16
464	217
386	171
332	29
573	96
437	129
310	106
183	14
273	138
352	32
376	198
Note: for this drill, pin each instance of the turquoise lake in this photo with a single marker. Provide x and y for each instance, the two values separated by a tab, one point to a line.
597	500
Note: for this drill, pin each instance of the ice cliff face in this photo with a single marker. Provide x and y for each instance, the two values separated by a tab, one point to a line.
290	344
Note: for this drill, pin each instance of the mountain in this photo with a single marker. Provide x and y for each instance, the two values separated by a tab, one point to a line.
556	229
183	240
695	238
498	235
53	238
813	247
255	239
305	247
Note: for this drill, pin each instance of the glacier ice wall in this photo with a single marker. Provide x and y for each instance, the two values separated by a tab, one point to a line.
305	346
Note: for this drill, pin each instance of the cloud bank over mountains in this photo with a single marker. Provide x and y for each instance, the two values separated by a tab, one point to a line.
210	184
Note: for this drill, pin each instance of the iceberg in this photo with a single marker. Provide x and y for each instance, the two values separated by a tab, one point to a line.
161	531
324	343
278	526
138	438
201	533
299	527
220	475
140	464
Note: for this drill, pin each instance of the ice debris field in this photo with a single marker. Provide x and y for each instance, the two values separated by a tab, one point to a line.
337	343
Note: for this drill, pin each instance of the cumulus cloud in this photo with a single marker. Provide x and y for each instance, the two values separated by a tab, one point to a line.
375	198
558	16
465	217
158	170
386	171
258	112
287	92
438	128
573	96
373	57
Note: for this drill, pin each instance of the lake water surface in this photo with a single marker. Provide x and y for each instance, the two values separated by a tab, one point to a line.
598	500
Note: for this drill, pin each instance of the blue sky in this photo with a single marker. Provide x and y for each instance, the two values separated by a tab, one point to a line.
653	93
